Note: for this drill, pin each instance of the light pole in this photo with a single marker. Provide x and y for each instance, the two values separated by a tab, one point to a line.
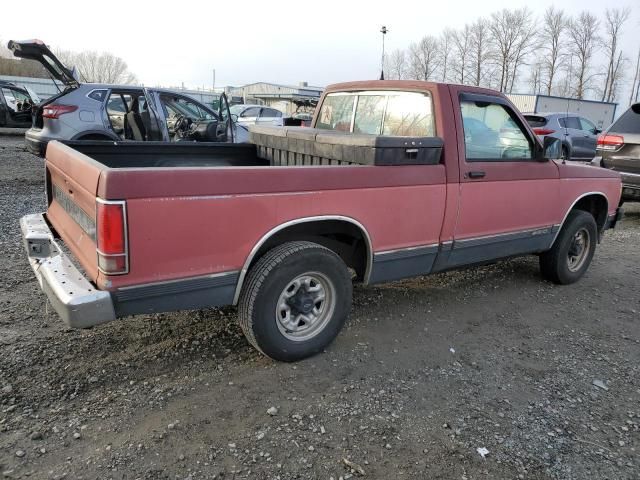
383	31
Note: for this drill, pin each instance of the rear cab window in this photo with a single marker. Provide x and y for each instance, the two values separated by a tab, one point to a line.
389	113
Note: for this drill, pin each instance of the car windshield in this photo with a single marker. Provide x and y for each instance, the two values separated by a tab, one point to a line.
236	109
177	106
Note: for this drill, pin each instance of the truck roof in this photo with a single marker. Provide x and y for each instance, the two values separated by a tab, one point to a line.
399	85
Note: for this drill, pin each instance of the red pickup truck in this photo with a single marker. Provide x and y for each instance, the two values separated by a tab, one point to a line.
394	179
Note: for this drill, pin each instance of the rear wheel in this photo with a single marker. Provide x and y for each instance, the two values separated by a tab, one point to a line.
571	254
295	300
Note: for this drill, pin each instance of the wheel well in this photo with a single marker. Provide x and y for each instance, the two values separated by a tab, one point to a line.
597	206
346	239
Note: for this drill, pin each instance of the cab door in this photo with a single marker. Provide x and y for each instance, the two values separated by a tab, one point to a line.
18	107
508	196
226	126
589	137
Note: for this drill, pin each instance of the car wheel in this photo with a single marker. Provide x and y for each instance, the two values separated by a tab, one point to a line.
571	254
295	300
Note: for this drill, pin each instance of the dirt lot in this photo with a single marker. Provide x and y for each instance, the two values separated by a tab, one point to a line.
426	372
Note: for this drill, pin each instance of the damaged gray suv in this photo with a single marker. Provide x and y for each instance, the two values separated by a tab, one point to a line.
92	111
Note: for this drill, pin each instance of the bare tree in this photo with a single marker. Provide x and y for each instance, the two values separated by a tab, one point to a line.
462	49
397	64
512	35
97	67
583	40
535	78
424	58
553	45
480	50
446	42
635	86
525	26
614	19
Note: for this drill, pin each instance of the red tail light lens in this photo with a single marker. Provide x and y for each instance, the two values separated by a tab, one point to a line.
543	131
54	111
610	142
111	241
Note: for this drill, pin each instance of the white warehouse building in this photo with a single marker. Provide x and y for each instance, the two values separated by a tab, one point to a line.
600	113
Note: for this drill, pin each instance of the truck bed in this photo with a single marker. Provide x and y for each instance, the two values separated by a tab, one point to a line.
162	154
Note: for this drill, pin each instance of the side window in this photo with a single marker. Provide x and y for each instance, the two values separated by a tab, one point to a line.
116	105
16	100
97	95
491	133
270	113
570	122
250	112
587	126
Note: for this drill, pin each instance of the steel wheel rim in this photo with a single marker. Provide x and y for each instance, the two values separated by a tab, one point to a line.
578	250
305	306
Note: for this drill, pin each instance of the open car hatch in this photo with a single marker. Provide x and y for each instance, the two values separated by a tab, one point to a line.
38	51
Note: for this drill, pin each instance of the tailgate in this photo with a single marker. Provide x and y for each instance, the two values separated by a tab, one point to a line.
72	183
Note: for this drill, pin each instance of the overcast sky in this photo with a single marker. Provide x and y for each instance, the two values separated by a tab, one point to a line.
322	42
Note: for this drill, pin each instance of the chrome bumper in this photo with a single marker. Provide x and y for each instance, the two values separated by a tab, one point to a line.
72	296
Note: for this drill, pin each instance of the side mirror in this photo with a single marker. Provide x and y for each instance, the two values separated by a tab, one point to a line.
552	149
234	118
597	131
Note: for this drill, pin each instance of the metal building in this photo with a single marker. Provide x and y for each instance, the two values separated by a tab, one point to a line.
285	98
600	113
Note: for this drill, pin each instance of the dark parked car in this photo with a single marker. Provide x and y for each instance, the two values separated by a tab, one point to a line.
577	134
619	150
92	111
15	105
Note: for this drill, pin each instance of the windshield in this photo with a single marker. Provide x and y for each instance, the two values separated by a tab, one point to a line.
236	109
178	106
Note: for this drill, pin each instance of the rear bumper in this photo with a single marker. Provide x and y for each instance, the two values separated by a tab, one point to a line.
36	142
630	186
74	298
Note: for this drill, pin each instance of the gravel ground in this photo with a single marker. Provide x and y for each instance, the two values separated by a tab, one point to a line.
426	372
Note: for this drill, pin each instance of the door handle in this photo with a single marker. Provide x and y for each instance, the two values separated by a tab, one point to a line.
476	174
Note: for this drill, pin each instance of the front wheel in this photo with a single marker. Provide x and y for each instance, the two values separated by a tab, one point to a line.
295	300
571	254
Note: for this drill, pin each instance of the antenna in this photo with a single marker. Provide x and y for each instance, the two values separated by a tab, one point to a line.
564	159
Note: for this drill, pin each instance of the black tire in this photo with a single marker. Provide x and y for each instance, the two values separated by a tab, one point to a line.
557	264
260	301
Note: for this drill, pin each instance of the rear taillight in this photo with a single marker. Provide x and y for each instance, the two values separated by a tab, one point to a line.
543	131
111	241
610	142
54	111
